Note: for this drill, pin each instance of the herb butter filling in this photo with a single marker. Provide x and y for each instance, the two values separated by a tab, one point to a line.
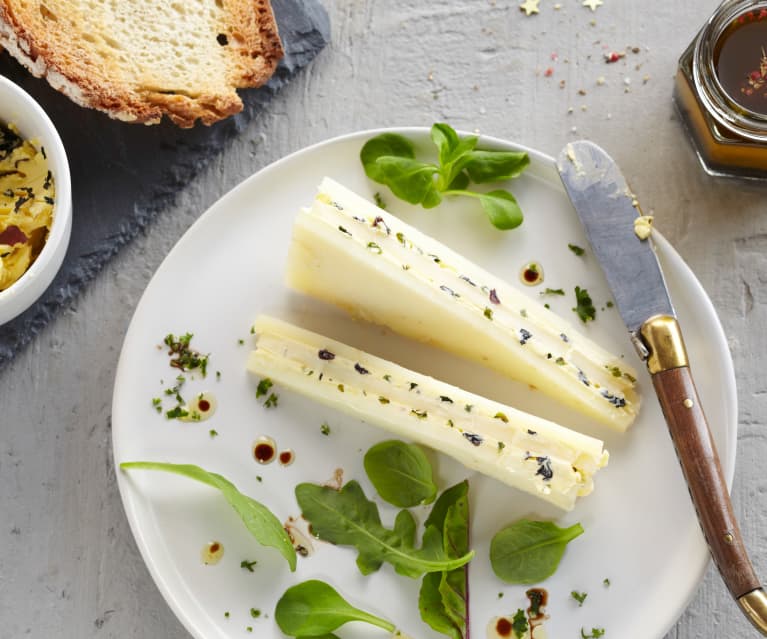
26	204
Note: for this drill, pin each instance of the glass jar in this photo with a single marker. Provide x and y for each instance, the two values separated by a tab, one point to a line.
721	90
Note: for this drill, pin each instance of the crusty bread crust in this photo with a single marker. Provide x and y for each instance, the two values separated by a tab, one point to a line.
80	65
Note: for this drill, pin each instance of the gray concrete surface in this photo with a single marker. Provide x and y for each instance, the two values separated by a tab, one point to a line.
68	564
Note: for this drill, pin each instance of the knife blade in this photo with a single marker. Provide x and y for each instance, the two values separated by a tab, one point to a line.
608	210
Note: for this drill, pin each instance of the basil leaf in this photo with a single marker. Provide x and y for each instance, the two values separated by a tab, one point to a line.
495	166
528	551
347	517
443	598
390	144
502	209
401	473
258	519
314	608
409	179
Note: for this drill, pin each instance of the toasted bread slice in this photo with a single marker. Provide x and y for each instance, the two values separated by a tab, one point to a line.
138	60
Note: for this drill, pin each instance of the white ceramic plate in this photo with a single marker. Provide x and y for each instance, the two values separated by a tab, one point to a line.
641	530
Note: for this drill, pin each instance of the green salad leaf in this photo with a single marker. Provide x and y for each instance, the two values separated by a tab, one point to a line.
527	551
315	609
401	473
390	159
258	519
346	517
444	597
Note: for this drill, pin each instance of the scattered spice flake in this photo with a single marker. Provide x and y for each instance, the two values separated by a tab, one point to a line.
501	446
326	354
361	369
374	248
488	313
614	56
380	203
186	359
580	597
325	429
592	4
576	249
502	417
383	400
609	304
548	72
271	401
240	342
468	407
445	398
494	297
248	565
420	414
584	306
218	376
530	7
263	387
519	624
606	582
157	403
500	595
226	614
473	438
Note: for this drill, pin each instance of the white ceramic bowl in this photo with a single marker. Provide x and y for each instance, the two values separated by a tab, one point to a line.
19	108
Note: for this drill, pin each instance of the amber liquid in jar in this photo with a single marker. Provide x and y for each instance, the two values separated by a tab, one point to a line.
740	60
721	90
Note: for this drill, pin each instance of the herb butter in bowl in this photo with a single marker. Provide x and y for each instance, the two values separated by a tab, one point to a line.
35	201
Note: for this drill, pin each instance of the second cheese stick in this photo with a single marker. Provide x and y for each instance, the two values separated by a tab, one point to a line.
521	450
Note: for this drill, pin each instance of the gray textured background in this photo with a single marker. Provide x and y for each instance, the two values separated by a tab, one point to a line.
68	564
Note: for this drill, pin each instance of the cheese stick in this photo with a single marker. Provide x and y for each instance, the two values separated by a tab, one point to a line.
521	450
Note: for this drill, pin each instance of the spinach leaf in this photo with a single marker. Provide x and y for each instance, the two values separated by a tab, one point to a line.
314	608
401	473
347	517
443	598
527	552
390	159
496	166
258	519
386	144
502	209
409	180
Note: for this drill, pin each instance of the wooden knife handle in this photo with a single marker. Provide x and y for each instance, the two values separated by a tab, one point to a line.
700	464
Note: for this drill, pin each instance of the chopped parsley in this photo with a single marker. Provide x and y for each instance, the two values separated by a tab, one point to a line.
157	404
502	417
379	201
248	565
501	446
177	412
606	582
576	249
488	313
420	414
580	597
383	400
553	291
213	432
218	376
596	633
519	624
584	307
325	429
374	248
182	356
226	614
387	377
255	613
263	387
609	304
240	342
500	595
468	407
271	401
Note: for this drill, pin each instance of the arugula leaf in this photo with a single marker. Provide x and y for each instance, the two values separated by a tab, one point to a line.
347	517
390	159
584	307
443	598
496	166
258	519
401	473
527	552
314	608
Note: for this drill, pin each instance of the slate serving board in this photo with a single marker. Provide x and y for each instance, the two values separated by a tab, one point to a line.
123	175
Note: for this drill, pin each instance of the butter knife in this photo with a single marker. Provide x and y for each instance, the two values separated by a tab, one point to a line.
608	210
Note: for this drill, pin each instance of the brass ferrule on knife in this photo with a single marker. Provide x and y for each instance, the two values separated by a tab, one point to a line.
662	337
754	604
